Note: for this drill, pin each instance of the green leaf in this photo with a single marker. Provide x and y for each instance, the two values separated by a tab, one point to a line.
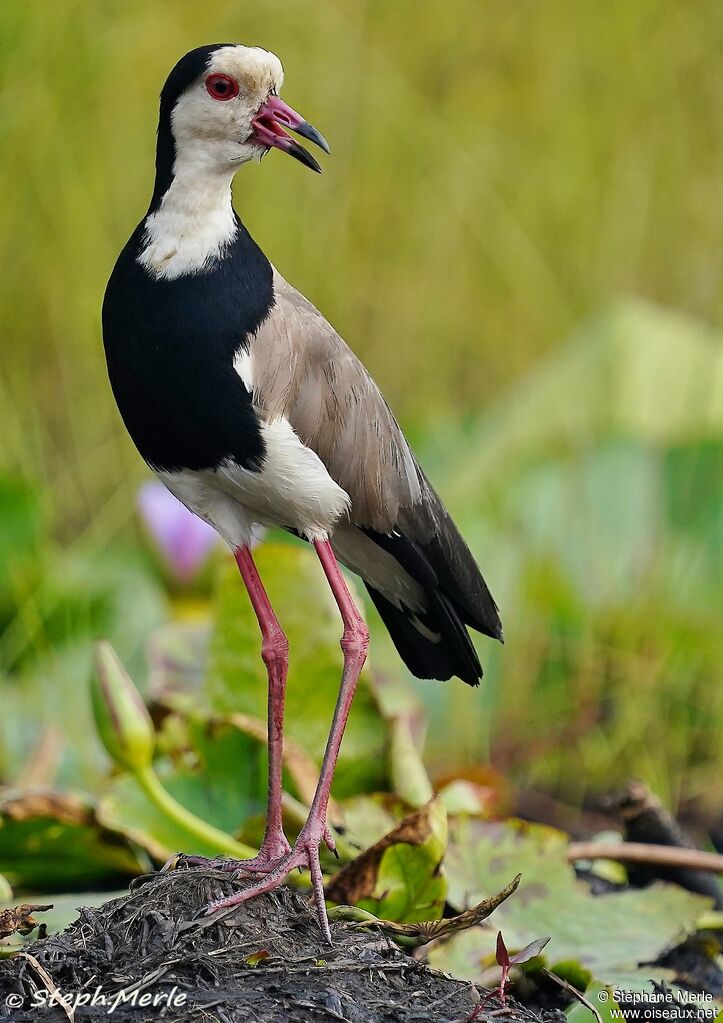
574	973
51	841
307	611
630	927
400	877
410	885
368	818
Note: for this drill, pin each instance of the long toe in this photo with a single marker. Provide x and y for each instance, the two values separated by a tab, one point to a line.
272	880
273	850
264	863
258	865
185	861
317	881
304	854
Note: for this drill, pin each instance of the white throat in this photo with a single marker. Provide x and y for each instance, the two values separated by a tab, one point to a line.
195	221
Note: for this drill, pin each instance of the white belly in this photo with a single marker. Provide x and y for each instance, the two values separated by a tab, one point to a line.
292	490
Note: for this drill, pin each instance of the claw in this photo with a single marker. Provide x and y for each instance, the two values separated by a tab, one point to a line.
329	842
305	854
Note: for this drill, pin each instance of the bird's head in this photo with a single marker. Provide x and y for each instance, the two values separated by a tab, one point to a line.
221	107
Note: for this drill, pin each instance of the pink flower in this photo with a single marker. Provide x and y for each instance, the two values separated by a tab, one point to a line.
183	540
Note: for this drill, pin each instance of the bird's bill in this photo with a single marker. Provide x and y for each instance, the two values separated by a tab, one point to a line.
268	125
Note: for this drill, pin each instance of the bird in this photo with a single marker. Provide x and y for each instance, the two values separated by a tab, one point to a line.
254	413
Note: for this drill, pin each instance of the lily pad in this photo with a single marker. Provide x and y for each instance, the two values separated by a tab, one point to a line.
607	934
50	841
368	818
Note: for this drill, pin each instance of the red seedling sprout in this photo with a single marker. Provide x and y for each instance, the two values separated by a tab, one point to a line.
505	961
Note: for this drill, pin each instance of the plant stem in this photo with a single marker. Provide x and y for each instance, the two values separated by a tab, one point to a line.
171	808
639	852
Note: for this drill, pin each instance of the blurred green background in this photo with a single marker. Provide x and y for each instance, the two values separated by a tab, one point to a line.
520	233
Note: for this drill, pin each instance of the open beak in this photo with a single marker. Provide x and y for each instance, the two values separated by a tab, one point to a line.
268	125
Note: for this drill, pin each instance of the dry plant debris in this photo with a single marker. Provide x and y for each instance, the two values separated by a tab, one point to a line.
265	962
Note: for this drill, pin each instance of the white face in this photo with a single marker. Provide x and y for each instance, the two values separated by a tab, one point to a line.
212	120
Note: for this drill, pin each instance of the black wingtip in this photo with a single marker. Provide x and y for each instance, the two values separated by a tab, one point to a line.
450	655
501	635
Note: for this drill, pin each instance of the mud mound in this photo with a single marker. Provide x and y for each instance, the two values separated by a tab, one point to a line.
141	958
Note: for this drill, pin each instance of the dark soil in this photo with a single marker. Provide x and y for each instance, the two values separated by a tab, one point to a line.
264	962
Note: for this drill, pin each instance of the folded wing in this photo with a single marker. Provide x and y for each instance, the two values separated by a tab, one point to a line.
399	537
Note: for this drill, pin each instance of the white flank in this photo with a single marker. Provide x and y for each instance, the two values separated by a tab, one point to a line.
200	493
292	490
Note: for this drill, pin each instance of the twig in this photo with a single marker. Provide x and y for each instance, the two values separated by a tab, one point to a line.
49	984
349	966
641	852
574	992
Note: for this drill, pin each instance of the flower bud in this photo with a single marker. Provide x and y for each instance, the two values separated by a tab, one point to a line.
123	722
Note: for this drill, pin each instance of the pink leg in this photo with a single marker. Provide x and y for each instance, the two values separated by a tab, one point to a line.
354	644
275	653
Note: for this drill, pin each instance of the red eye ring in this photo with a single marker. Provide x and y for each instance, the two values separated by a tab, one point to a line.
221	87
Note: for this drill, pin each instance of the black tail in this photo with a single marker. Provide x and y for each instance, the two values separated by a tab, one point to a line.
442	650
434	643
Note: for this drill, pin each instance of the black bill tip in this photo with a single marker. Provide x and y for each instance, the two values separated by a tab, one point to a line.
299	153
308	131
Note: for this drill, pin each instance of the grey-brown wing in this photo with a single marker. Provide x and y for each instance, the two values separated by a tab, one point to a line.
304	371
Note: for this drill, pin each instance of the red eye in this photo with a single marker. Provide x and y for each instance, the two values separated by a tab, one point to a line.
221	87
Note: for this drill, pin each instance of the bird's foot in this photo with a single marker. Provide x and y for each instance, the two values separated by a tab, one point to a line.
271	853
305	854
